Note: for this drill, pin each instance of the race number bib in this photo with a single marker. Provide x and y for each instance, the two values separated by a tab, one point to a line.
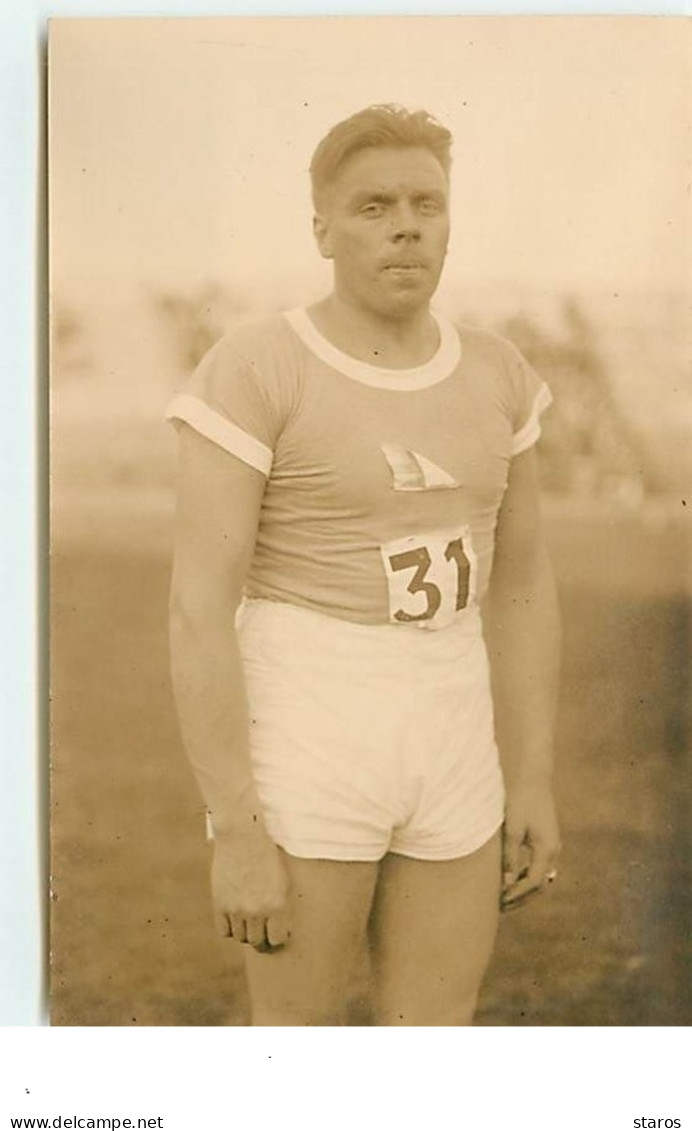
431	577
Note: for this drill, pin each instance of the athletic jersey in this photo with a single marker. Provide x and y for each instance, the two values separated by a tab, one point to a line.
383	486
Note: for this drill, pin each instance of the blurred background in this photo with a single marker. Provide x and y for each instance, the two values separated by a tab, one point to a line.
179	205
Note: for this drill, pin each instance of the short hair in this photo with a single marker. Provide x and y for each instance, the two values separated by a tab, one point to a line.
385	125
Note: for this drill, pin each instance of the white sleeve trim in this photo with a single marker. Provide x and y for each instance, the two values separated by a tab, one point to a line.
216	428
529	432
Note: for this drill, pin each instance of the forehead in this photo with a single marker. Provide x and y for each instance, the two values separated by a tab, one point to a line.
389	169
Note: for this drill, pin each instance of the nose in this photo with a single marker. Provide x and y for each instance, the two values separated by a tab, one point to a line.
405	224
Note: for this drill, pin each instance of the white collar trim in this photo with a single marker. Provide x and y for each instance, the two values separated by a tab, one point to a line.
439	367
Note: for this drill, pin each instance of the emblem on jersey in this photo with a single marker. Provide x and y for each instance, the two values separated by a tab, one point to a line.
413	472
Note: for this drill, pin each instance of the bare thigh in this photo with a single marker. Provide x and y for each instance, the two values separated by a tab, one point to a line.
307	981
432	931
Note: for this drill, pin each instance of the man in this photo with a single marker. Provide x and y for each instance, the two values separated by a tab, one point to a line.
354	479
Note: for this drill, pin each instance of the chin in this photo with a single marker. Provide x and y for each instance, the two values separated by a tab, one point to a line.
407	303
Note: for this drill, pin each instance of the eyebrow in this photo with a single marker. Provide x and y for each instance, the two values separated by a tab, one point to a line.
375	197
379	197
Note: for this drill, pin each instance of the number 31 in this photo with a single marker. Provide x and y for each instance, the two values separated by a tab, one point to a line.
421	561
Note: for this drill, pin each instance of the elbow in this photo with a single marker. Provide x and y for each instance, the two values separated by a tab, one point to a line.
179	612
524	586
196	610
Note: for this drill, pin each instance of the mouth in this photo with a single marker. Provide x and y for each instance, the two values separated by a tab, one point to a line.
405	265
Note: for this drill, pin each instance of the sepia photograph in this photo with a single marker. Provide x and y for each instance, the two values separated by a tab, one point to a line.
370	521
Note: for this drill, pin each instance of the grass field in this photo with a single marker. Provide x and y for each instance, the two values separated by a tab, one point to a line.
132	938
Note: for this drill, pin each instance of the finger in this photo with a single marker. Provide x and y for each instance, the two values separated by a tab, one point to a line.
278	932
518	895
511	849
221	924
551	868
519	860
533	880
266	948
255	931
238	928
511	903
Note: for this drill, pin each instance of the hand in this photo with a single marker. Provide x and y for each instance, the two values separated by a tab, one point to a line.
531	842
250	892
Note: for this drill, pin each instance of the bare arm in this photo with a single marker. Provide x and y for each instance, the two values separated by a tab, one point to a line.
522	629
219	500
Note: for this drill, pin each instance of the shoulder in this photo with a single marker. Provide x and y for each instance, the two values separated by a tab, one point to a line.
258	362
487	345
498	366
257	357
245	379
259	341
496	359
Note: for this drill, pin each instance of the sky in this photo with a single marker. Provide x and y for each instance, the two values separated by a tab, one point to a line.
180	147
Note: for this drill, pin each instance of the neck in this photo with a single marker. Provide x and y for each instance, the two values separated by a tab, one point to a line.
388	342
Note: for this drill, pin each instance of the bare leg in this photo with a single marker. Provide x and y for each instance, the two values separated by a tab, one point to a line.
306	982
433	927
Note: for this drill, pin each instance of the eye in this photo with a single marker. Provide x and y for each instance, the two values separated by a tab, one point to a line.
372	210
429	207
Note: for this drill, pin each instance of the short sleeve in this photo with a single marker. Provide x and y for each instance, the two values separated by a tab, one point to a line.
231	401
529	397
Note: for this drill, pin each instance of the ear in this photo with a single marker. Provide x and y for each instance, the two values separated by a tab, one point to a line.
320	228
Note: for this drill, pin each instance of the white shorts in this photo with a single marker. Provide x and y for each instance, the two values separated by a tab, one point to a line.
370	739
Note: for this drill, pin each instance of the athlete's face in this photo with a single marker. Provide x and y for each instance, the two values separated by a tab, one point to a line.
385	224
